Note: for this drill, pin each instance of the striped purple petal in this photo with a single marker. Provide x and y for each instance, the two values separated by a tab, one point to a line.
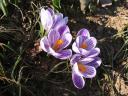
86	60
94	52
64	54
51	11
95	63
90	72
84	32
60	23
67	38
84	52
77	78
80	40
75	58
57	18
91	43
53	36
44	44
63	29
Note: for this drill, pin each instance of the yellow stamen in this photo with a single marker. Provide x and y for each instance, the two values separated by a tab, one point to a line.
81	68
57	44
83	45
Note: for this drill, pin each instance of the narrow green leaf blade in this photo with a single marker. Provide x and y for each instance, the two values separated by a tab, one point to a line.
56	3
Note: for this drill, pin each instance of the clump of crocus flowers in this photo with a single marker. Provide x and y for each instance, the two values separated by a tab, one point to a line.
85	59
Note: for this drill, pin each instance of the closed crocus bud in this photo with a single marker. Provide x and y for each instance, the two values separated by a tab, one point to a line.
51	19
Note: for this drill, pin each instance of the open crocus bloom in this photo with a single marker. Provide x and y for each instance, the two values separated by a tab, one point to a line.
56	42
50	20
91	61
84	43
83	68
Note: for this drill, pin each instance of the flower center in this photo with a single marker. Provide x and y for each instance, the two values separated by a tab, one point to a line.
83	45
82	68
57	44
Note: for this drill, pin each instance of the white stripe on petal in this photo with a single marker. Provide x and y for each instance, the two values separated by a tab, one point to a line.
44	44
90	72
77	78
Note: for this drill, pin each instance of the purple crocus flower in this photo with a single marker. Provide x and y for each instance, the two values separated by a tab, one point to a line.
56	42
85	44
83	68
50	20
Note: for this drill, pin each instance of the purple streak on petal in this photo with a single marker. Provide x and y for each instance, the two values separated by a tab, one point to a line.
91	43
96	63
57	17
78	81
90	72
80	40
77	78
51	11
75	58
64	54
67	38
44	44
86	60
94	52
60	23
53	36
84	52
83	32
63	29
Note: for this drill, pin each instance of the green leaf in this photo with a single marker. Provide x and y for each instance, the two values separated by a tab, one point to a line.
5	2
15	66
41	33
3	6
56	3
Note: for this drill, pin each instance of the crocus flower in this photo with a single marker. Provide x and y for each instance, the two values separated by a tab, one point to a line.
51	20
56	42
83	68
85	44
